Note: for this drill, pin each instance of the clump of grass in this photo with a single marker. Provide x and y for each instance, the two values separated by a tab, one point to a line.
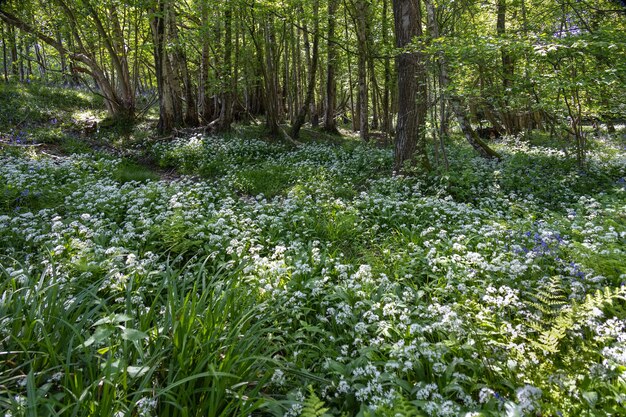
127	171
179	351
74	145
269	180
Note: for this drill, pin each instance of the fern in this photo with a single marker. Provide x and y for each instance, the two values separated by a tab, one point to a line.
313	406
550	298
406	408
558	318
555	319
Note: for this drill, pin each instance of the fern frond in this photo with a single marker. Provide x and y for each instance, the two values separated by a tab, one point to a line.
313	406
558	317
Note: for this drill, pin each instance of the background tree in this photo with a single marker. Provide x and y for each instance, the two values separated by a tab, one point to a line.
410	141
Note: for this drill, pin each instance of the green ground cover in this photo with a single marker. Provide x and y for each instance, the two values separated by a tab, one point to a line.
279	280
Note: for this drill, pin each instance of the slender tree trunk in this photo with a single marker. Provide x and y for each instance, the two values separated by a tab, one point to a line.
179	66
63	58
271	84
330	123
14	63
508	71
120	54
295	73
226	112
295	131
455	103
4	56
41	61
204	99
374	90
362	22
355	119
28	59
410	145
170	107
387	83
21	60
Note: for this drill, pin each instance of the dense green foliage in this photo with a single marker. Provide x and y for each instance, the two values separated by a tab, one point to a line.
495	291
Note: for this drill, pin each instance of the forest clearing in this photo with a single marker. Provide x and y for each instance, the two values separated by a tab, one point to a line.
312	208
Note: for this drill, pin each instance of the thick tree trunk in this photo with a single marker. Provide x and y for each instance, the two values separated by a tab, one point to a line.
410	145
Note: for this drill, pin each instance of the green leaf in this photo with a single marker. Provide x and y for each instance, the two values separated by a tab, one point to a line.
137	371
133	335
101	334
117	318
591	397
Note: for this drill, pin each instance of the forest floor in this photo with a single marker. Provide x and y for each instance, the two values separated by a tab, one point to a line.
233	275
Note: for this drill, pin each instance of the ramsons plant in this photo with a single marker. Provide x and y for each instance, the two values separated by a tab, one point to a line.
309	281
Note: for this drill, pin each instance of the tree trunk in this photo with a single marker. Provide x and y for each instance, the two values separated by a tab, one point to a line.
179	65
295	131
226	112
362	22
41	61
271	83
455	103
204	98
387	86
330	124
508	71
170	106
63	58
4	56
374	89
410	145
13	38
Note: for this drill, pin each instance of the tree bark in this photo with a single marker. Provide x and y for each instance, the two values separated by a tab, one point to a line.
226	111
271	83
330	123
13	37
387	83
295	131
4	56
410	144
362	22
170	105
204	99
